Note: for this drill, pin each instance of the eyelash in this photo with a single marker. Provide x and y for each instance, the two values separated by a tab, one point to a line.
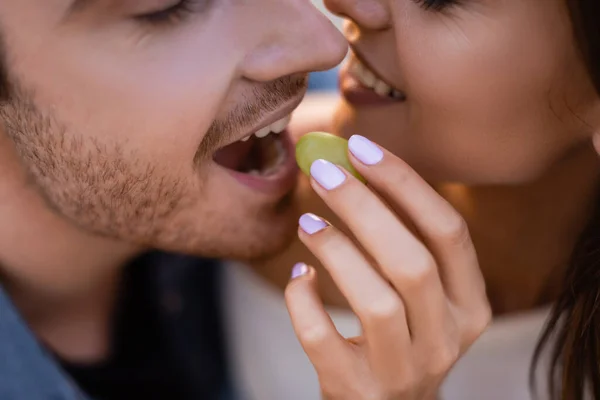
170	14
180	9
437	5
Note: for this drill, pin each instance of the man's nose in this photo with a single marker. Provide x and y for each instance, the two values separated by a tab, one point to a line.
298	39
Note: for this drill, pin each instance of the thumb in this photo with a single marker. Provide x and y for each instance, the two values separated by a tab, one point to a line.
321	341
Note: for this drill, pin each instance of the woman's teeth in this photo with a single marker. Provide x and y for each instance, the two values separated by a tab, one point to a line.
275	127
366	77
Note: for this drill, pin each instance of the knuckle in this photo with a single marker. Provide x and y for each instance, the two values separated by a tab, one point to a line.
350	196
421	270
361	199
475	325
400	173
485	317
330	244
442	360
453	230
314	336
327	240
384	309
480	322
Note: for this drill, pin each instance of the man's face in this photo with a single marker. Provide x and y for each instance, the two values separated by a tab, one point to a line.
121	111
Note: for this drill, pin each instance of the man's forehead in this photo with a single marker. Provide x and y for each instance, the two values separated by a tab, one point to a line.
66	9
49	8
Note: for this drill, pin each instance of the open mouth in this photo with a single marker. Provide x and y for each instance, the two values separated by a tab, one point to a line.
262	154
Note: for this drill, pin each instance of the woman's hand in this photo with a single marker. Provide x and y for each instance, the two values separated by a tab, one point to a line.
414	281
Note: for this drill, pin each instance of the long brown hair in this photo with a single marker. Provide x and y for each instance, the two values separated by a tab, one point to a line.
574	325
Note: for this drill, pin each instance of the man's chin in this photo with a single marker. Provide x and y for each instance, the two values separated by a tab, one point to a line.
251	241
242	236
267	240
265	251
245	249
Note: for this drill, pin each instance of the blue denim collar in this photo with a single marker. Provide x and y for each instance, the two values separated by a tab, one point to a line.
27	371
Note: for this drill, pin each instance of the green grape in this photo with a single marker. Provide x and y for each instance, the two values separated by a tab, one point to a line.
321	145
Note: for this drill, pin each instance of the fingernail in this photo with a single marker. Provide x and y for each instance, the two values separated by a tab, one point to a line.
299	270
312	224
327	174
366	151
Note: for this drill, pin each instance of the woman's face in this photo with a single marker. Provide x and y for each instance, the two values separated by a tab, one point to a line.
476	91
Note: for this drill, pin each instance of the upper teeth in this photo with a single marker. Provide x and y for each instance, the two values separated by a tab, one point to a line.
368	78
275	127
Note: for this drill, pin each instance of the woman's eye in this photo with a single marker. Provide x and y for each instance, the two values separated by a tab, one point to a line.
172	13
435	4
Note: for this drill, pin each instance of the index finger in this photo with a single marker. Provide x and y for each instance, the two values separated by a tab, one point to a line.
441	226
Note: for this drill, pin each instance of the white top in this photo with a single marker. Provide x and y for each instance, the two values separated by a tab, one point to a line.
269	364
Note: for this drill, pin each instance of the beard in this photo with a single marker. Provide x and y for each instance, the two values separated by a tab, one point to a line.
103	189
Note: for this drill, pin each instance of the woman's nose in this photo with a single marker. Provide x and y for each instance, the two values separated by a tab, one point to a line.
368	14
